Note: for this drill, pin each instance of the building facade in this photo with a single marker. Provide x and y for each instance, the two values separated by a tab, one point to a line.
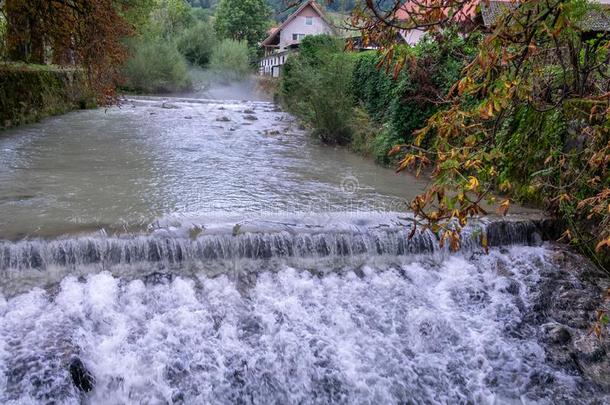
308	19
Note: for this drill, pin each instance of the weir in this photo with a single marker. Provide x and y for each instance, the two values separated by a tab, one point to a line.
393	238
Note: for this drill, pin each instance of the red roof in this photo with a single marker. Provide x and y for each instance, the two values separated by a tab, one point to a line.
312	4
417	8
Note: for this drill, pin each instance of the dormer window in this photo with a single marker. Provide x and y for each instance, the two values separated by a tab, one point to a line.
308	20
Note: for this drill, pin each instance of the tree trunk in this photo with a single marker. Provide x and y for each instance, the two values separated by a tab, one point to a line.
16	36
36	43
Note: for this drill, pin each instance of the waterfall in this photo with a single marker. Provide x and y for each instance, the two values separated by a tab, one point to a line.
172	250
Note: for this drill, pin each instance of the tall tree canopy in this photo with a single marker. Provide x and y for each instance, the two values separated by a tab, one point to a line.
243	20
86	33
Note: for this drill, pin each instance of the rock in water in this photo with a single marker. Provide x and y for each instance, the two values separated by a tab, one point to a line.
81	377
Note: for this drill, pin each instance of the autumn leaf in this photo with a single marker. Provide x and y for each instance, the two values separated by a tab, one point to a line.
485	242
602	244
395	150
504	206
473	183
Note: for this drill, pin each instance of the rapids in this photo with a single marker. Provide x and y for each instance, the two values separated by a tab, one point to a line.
390	330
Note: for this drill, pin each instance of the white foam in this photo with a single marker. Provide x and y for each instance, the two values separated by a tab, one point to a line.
420	332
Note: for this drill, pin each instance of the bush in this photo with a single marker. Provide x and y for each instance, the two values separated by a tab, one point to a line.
230	59
330	101
405	103
364	132
155	67
315	48
197	43
326	88
316	86
558	159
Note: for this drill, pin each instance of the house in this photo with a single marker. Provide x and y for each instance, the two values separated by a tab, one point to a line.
308	19
595	21
468	13
487	13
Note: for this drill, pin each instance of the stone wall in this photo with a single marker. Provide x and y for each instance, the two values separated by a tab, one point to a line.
29	93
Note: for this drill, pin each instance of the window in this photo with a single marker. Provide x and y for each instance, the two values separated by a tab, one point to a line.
308	20
298	37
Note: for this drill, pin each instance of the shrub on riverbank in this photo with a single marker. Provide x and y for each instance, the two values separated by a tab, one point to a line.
329	88
316	86
155	67
403	102
231	59
197	43
560	159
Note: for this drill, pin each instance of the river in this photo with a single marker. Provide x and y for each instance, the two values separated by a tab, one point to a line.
189	250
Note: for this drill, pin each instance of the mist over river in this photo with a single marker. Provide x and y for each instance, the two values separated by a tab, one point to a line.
195	250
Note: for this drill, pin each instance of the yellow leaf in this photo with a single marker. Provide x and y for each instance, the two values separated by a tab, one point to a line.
504	206
473	183
485	243
601	244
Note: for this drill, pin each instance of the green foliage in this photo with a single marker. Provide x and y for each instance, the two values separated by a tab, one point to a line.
31	92
242	20
137	12
403	103
155	67
169	18
201	14
197	43
314	49
317	87
364	132
558	159
326	87
525	142
204	4
231	59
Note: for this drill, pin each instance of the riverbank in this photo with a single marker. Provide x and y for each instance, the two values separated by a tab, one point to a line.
29	92
556	160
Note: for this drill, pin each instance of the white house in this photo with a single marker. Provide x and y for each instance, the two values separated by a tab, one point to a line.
308	19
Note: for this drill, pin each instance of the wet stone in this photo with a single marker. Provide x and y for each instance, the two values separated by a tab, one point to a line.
158	278
81	377
557	334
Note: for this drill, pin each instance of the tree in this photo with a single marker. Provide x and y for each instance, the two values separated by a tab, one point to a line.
169	18
242	20
197	43
137	13
504	125
86	33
